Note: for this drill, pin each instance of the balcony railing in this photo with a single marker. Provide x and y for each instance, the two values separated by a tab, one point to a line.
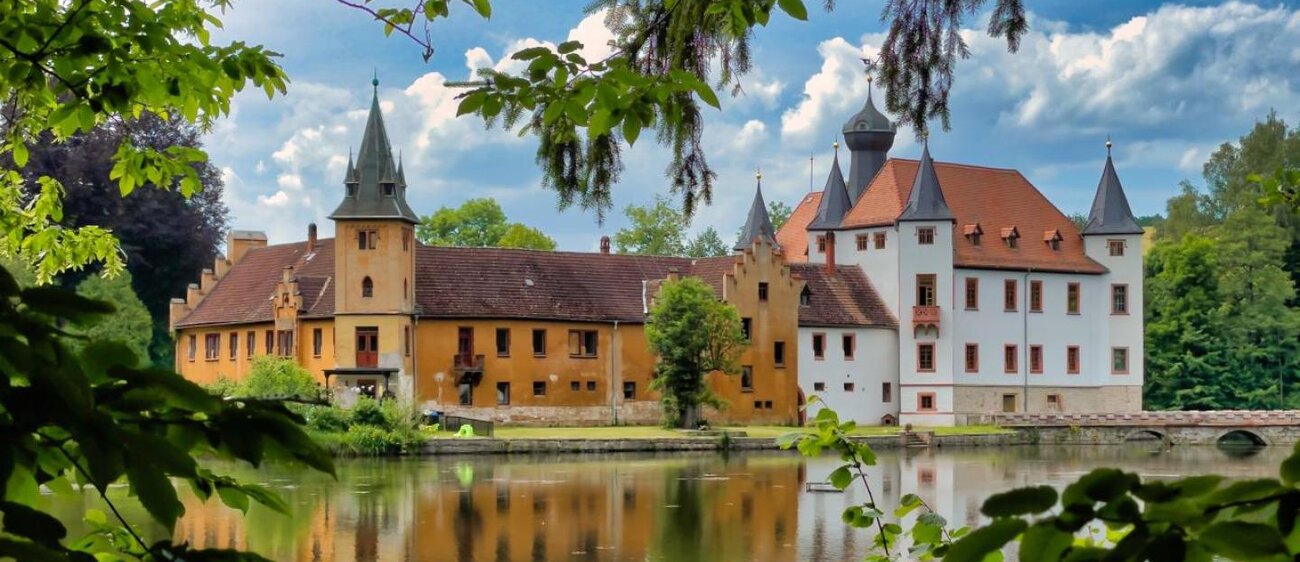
927	316
465	363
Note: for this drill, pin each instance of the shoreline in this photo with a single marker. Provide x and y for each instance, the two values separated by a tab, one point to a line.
488	446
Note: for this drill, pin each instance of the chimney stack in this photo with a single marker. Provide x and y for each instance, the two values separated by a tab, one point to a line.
311	238
672	274
830	252
604	244
207	279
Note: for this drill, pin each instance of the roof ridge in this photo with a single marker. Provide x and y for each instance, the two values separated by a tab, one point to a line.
955	164
555	252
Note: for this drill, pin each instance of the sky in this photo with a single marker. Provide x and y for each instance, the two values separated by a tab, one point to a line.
1167	82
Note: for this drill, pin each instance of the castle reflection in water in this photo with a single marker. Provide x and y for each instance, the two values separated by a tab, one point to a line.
616	508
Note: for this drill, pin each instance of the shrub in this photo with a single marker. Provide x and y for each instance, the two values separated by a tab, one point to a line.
369	440
224	387
367	411
400	414
279	377
327	418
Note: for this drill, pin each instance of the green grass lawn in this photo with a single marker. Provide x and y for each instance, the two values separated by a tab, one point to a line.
649	432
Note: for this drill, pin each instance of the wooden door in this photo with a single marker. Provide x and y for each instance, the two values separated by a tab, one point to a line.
465	345
367	347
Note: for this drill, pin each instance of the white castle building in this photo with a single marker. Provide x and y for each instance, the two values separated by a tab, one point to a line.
1001	303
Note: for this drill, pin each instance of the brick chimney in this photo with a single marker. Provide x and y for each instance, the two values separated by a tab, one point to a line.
241	241
604	244
830	252
673	274
311	238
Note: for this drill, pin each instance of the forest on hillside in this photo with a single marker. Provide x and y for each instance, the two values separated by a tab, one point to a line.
1222	314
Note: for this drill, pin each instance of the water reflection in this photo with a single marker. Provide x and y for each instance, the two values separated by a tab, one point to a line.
615	508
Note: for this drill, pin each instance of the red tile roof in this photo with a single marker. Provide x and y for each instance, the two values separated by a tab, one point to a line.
244	294
507	283
793	236
846	298
992	198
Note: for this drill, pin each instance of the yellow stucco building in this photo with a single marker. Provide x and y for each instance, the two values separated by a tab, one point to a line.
510	335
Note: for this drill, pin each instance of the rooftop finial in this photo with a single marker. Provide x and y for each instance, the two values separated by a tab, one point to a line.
758	175
836	145
375	81
1108	145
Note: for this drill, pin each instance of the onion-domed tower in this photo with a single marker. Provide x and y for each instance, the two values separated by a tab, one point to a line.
869	136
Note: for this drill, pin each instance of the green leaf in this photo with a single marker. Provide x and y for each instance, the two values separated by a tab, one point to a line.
156	493
1239	540
985	541
1021	501
1290	469
20	153
483	7
1044	542
234	498
795	8
30	523
632	129
841	477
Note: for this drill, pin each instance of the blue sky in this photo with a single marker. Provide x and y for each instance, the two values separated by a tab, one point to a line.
1168	82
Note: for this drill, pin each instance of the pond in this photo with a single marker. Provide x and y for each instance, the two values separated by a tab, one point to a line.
679	507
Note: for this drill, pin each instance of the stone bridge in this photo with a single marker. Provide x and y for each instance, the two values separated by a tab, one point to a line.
1272	427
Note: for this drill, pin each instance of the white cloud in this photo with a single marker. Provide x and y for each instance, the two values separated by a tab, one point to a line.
830	94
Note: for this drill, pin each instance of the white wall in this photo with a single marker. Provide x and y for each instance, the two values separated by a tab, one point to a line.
880	266
914	259
1122	330
874	362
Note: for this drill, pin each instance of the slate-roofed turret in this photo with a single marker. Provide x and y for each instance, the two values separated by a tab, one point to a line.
1110	212
758	224
372	184
835	201
869	135
926	202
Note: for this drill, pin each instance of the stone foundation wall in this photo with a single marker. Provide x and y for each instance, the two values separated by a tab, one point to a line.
977	404
578	446
644	412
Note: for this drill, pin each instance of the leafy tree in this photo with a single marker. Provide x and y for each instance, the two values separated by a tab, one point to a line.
708	244
129	323
778	212
693	334
67	67
97	418
1185	352
479	223
279	377
182	236
657	229
666	55
520	236
1080	220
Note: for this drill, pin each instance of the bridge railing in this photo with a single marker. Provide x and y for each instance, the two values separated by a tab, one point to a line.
1153	418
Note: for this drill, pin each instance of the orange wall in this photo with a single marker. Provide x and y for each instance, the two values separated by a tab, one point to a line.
204	371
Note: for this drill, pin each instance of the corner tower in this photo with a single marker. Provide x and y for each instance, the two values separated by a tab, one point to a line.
374	271
1113	238
869	136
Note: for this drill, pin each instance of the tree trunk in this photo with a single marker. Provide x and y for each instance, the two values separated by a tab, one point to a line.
691	416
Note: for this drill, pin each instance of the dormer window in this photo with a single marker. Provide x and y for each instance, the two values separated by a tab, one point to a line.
1053	239
388	189
973	233
1010	235
805	297
352	190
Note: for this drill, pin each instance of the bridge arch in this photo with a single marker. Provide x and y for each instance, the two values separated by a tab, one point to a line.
1146	434
1240	436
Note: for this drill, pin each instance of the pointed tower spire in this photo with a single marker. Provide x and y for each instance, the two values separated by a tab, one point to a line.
926	202
1110	211
869	135
401	173
367	197
350	176
759	224
835	201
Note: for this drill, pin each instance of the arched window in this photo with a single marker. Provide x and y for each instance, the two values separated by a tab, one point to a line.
805	297
367	288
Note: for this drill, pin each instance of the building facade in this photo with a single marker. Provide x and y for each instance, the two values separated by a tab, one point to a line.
1003	304
510	335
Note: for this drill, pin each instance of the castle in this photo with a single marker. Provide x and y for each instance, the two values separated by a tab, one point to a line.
880	295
